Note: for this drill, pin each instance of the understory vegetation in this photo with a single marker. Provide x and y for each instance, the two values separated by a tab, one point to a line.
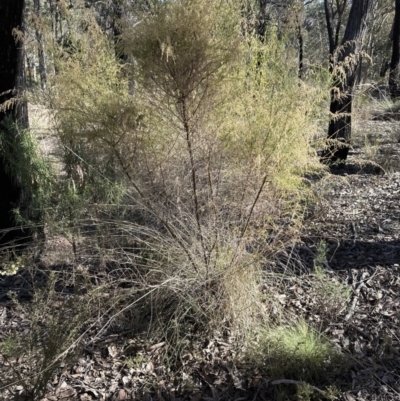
173	185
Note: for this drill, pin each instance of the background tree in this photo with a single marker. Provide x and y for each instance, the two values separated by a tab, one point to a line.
379	48
394	63
37	23
12	109
344	67
334	13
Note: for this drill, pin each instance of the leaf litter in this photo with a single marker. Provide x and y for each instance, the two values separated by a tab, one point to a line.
357	217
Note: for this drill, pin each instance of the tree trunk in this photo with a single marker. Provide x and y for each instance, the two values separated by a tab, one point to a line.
55	18
329	26
394	86
262	20
118	13
333	34
12	81
342	94
301	47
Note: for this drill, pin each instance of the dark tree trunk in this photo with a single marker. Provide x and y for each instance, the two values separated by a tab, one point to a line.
329	26
342	95
125	59
55	18
333	34
117	32
262	20
394	86
12	81
301	48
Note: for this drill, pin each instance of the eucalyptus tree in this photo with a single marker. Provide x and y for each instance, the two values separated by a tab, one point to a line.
334	15
344	63
37	22
394	86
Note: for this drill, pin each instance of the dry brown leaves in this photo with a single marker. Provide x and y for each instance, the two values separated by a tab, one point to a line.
358	216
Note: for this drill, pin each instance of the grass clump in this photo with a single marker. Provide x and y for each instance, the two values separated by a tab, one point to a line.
329	294
296	352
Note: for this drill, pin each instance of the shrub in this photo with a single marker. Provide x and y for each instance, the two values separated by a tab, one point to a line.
209	151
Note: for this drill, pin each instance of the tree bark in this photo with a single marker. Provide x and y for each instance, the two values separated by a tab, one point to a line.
12	83
329	26
394	87
301	51
342	94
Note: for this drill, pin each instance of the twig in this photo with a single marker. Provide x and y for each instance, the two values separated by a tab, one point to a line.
299	383
185	121
244	229
356	295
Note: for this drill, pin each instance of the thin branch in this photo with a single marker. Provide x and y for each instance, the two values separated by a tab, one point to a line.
194	179
298	383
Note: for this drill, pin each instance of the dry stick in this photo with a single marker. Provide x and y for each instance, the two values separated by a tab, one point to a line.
211	187
248	219
299	383
357	294
194	178
163	221
210	183
253	206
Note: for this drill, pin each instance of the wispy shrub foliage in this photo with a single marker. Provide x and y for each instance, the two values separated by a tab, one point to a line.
210	149
268	122
95	116
19	151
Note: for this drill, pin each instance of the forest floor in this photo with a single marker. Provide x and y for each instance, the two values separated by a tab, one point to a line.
357	220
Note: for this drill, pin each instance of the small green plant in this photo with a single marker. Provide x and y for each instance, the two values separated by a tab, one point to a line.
20	153
135	362
371	145
387	110
304	392
329	293
320	261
